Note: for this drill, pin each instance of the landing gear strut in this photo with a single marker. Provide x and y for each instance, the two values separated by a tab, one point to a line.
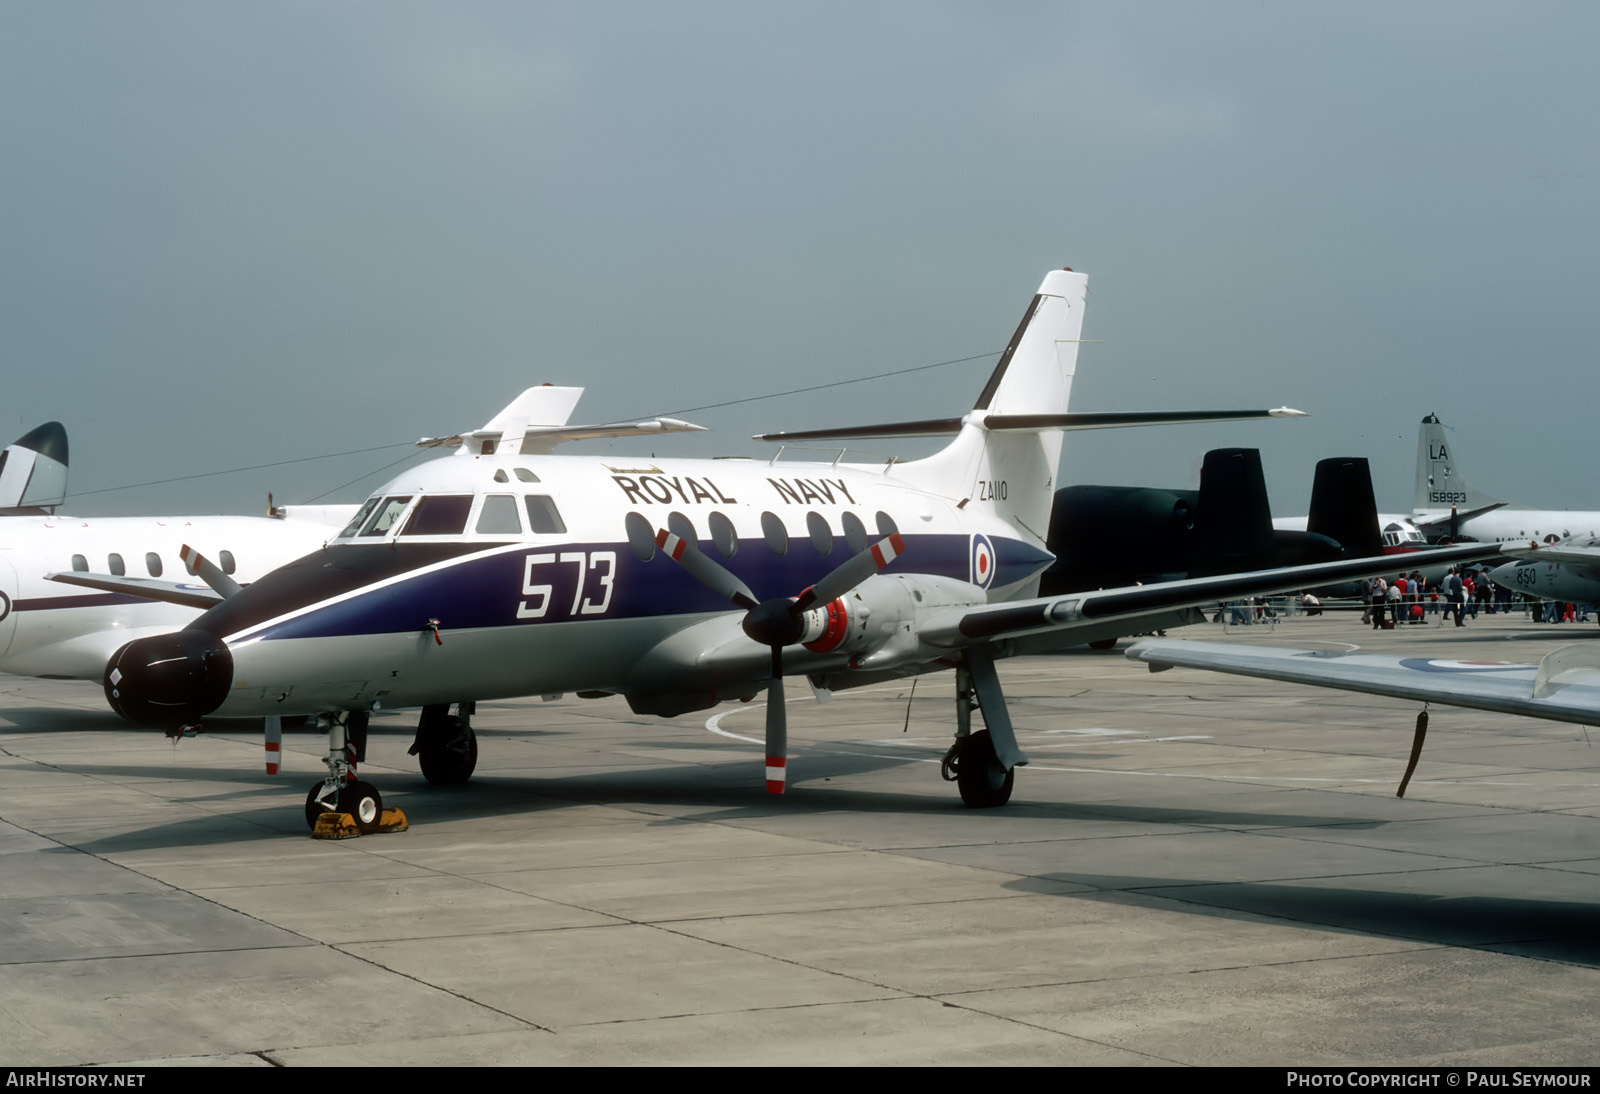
445	747
341	791
982	764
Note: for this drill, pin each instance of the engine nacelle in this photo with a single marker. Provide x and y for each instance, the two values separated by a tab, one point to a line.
877	621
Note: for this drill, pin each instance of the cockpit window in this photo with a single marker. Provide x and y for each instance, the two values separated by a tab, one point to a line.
439	515
543	517
499	516
387	513
356	521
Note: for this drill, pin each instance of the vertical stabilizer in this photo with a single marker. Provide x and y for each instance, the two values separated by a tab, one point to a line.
33	470
1233	523
1014	474
1439	482
1343	507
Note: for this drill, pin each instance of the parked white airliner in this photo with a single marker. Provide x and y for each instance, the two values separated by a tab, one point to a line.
51	629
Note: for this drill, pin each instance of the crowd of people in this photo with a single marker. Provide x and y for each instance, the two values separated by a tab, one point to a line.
1461	594
1409	598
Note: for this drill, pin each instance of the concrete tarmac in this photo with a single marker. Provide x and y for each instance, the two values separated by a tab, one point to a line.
1195	869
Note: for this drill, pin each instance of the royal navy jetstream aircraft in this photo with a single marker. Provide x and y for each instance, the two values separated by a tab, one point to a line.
1446	506
501	572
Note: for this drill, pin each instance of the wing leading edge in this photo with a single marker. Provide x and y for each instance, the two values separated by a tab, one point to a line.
1564	687
1071	611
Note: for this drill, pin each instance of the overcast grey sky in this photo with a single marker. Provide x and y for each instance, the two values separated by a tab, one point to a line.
235	233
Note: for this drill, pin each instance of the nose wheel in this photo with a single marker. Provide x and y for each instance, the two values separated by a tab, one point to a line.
359	799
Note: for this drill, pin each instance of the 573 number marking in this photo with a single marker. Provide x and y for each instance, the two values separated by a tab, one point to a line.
595	573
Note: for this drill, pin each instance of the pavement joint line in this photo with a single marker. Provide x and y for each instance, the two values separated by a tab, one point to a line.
308	941
900	992
437	987
1060	1033
1306	834
894	997
308	944
1291	962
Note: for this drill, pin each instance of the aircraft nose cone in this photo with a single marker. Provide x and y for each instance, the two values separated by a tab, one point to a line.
169	679
1504	574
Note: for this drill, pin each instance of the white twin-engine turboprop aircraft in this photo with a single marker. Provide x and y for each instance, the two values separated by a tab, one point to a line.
501	572
47	630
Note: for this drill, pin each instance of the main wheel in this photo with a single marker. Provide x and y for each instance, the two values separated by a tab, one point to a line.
362	801
446	762
316	804
983	783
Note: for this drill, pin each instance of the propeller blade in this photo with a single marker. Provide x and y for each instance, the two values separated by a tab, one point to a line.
705	570
209	572
777	728
852	572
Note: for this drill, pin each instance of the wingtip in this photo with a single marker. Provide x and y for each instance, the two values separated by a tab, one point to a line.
1288	412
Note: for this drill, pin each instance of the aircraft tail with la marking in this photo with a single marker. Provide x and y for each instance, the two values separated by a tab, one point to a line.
1439	483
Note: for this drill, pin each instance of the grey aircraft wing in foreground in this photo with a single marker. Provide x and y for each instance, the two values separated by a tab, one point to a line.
1563	687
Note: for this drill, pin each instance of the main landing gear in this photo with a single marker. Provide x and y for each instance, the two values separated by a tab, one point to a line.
982	764
445	747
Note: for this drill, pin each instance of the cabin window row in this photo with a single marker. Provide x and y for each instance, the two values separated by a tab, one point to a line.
449	515
117	567
641	532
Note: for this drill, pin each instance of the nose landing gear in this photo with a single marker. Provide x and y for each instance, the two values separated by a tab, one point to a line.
341	806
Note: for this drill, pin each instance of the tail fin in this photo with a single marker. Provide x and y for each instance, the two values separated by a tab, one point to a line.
33	470
1233	523
1015	473
1440	484
1343	507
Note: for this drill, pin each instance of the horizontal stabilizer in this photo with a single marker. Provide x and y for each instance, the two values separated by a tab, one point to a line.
1029	423
190	596
1440	526
536	422
1033	423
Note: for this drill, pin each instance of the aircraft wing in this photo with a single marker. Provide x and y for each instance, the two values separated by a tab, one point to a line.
1585	560
1564	687
1081	611
190	596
